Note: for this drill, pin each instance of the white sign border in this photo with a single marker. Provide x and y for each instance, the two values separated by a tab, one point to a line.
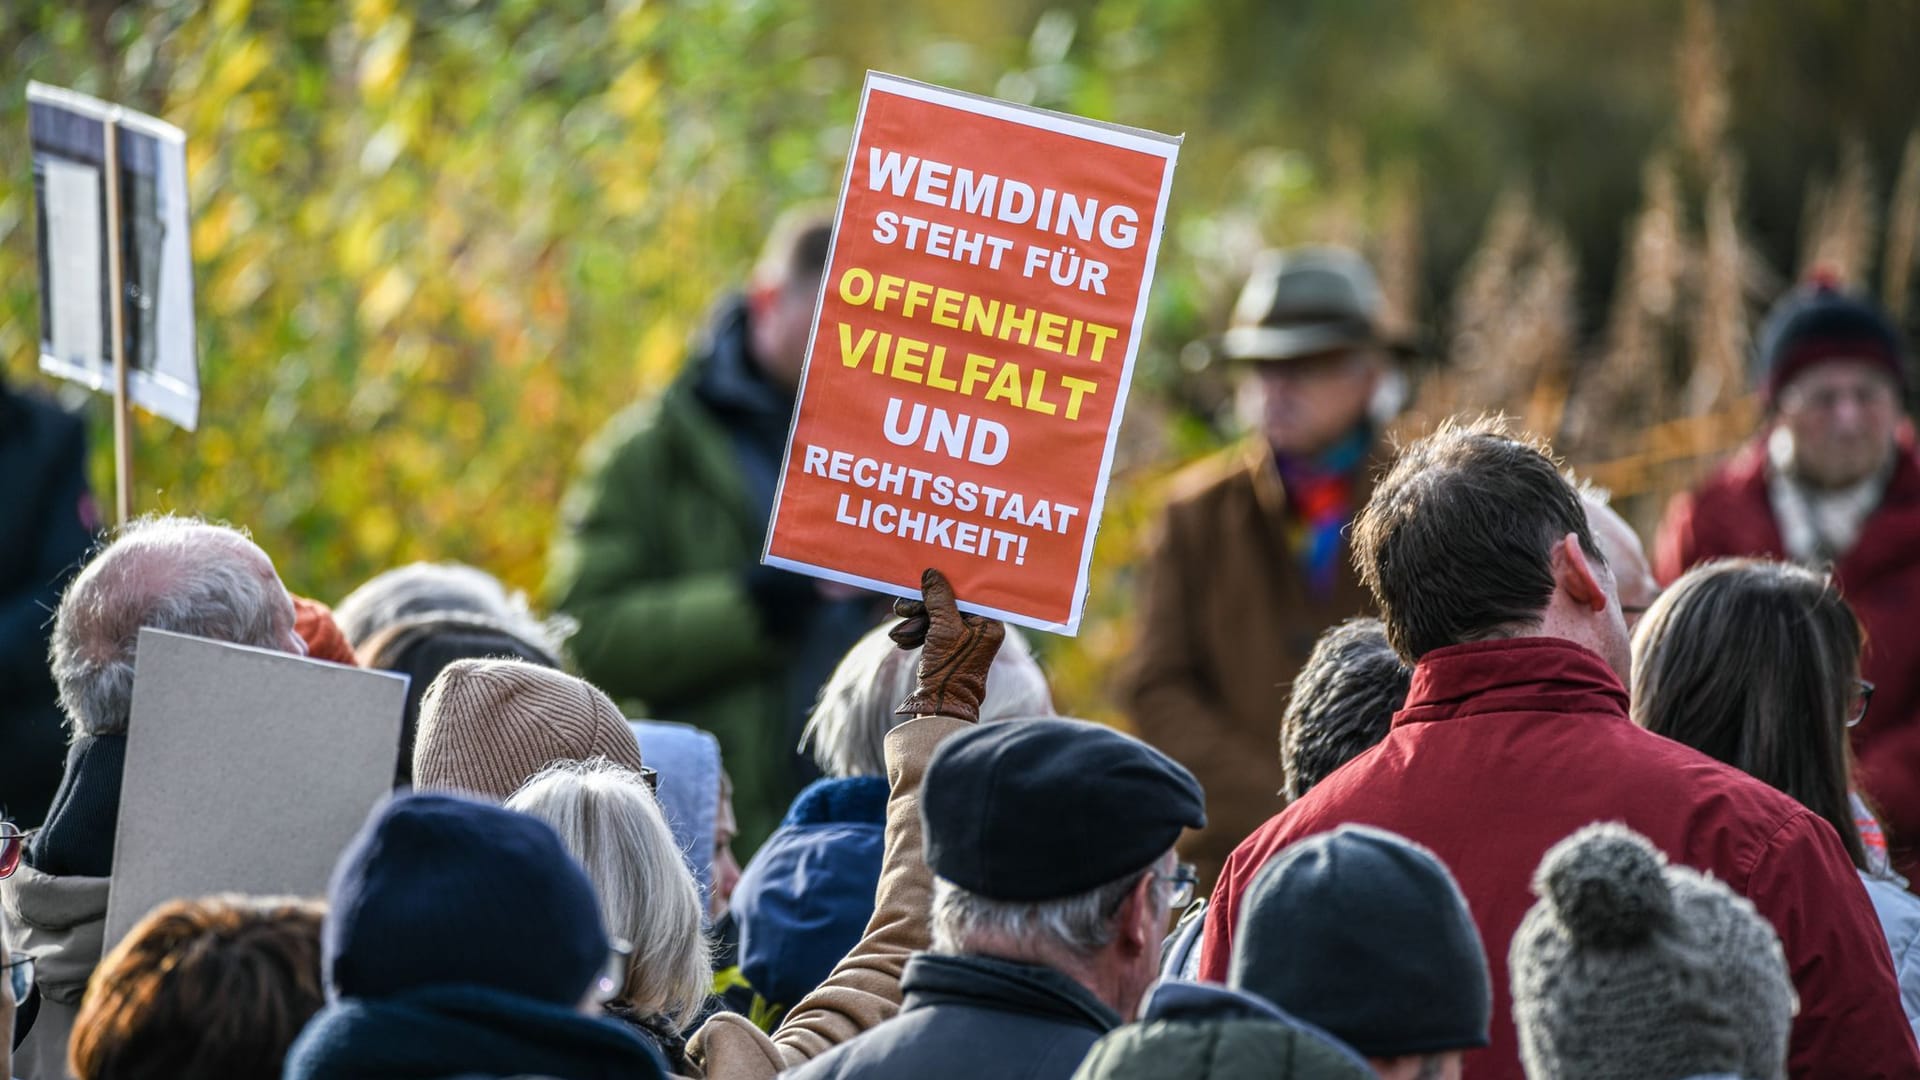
1152	143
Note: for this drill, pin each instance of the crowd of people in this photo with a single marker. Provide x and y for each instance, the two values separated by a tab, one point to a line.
1433	772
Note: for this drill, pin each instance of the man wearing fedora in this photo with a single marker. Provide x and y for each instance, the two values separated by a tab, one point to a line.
1250	562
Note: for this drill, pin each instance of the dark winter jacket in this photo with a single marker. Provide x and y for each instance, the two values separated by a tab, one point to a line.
659	564
1192	1031
46	529
1732	514
1506	747
449	1031
973	1016
807	895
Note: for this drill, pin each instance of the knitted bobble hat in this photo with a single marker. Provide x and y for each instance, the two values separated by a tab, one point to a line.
487	726
1630	968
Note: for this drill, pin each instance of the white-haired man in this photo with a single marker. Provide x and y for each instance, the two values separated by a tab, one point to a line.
167	573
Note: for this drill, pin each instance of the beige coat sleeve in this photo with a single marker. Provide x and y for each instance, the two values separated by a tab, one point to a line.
864	988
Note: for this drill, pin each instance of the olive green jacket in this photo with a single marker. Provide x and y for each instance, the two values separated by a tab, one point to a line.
656	536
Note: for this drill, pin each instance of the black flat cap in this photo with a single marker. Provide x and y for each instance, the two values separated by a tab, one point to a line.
1030	810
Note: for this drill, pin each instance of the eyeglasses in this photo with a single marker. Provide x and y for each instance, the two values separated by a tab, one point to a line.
1860	709
19	976
651	778
12	842
1183	879
613	974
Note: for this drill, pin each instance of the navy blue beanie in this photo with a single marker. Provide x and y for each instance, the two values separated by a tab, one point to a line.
1364	933
441	890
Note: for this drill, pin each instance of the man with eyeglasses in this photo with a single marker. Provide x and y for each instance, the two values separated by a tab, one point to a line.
1832	480
1051	842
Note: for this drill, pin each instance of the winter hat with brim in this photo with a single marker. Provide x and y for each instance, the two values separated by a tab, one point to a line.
1305	302
1630	968
439	890
1365	934
1028	810
1819	323
487	726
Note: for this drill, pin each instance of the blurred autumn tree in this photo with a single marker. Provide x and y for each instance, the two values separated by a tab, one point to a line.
439	243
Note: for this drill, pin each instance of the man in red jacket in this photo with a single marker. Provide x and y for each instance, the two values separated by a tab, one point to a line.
1515	734
1833	481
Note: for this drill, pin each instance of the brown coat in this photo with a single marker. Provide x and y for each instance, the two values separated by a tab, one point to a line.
1226	622
864	988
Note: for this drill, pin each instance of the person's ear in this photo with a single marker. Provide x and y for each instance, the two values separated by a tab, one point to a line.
1137	930
1575	574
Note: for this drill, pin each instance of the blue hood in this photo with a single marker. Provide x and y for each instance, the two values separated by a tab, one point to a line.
688	761
804	901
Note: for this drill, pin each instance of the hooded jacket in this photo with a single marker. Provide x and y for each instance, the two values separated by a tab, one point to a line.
803	901
444	1031
59	921
1192	1031
974	1016
1731	514
1506	747
688	761
669	514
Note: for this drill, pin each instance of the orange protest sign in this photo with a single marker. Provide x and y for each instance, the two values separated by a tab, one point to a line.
976	333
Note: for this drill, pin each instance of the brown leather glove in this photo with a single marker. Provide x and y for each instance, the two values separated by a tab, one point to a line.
956	651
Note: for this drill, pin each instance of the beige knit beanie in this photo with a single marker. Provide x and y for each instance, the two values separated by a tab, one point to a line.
487	726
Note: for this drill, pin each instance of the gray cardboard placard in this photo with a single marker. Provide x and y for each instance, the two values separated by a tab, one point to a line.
247	771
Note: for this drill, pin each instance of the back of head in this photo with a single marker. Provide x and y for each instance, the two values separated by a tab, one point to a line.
1456	541
213	987
1756	664
423	588
1630	968
438	890
1364	933
612	827
487	726
1342	702
422	646
847	731
164	573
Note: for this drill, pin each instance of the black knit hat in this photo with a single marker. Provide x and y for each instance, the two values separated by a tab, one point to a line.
1365	934
441	890
1818	322
1029	810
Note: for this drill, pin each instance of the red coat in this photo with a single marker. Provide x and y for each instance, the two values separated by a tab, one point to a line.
1730	514
1506	747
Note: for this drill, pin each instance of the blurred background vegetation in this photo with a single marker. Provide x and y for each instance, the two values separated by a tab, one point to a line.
438	244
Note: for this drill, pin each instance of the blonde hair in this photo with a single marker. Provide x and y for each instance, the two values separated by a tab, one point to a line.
847	732
614	828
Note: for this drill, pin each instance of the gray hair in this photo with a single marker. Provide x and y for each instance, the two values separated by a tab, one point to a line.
1078	925
848	729
1342	702
423	588
179	574
614	828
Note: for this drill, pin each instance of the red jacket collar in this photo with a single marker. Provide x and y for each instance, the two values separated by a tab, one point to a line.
1533	674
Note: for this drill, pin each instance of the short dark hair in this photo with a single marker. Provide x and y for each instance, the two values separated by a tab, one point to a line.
1756	664
1456	542
213	987
1342	703
796	249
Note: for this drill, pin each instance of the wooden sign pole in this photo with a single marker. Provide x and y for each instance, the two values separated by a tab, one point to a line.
116	324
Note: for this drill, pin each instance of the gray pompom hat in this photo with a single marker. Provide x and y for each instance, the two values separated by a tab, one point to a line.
1630	968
